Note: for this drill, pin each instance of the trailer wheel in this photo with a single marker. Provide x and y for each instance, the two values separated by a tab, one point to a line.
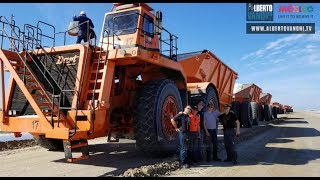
261	111
266	112
156	103
235	107
274	111
246	114
211	97
255	113
50	144
270	112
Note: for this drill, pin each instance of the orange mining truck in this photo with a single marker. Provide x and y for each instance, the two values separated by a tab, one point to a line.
128	86
266	109
245	104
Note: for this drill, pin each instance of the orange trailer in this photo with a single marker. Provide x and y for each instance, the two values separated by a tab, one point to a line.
287	108
245	104
266	108
129	86
204	70
280	108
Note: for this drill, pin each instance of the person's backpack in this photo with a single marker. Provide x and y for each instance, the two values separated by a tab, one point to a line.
92	34
73	28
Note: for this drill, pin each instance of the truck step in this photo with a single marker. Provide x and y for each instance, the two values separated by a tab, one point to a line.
33	87
17	64
31	80
95	91
68	145
99	71
38	96
45	104
49	113
21	72
98	81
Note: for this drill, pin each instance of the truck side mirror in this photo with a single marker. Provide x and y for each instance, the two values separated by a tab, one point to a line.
158	23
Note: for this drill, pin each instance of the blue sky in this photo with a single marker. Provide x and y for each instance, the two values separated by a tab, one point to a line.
287	66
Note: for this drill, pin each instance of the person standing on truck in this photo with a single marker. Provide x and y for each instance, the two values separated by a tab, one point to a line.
211	127
193	135
230	122
180	124
83	28
200	145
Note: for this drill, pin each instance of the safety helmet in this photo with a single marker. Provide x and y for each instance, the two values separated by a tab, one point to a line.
82	13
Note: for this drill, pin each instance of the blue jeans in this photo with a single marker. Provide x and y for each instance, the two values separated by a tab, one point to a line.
229	138
212	140
183	147
201	146
192	146
82	35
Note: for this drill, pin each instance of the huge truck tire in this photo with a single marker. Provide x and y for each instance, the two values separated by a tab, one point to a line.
50	144
255	113
235	107
261	112
156	103
211	97
270	112
246	114
274	112
266	112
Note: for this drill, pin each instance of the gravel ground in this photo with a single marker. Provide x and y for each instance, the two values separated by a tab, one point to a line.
290	148
106	159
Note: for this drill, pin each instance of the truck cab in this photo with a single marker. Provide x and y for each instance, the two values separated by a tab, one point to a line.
134	25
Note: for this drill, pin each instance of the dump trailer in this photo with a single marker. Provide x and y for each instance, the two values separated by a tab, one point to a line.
128	86
279	107
245	104
267	111
287	109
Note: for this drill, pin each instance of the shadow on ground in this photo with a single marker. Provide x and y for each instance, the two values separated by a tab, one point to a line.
257	150
261	151
119	156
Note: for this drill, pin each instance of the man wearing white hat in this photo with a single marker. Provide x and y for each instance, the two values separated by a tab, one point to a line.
83	29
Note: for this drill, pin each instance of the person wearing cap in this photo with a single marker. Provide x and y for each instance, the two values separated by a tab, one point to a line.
229	121
200	146
210	125
83	28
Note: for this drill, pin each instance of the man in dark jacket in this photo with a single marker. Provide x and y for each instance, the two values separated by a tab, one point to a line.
231	129
201	147
180	123
83	29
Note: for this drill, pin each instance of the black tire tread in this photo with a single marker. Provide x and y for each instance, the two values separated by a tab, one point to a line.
246	115
145	111
50	144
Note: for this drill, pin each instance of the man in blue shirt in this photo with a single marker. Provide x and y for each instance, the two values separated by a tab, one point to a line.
83	29
210	124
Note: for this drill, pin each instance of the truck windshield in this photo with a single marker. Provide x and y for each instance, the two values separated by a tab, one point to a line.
121	23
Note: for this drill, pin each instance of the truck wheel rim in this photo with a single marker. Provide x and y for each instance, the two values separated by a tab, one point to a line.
169	110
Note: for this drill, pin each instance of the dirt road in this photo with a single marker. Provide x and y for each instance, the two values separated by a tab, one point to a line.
290	148
287	149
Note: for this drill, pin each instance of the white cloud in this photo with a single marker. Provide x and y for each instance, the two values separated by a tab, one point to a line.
275	45
314	37
288	69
